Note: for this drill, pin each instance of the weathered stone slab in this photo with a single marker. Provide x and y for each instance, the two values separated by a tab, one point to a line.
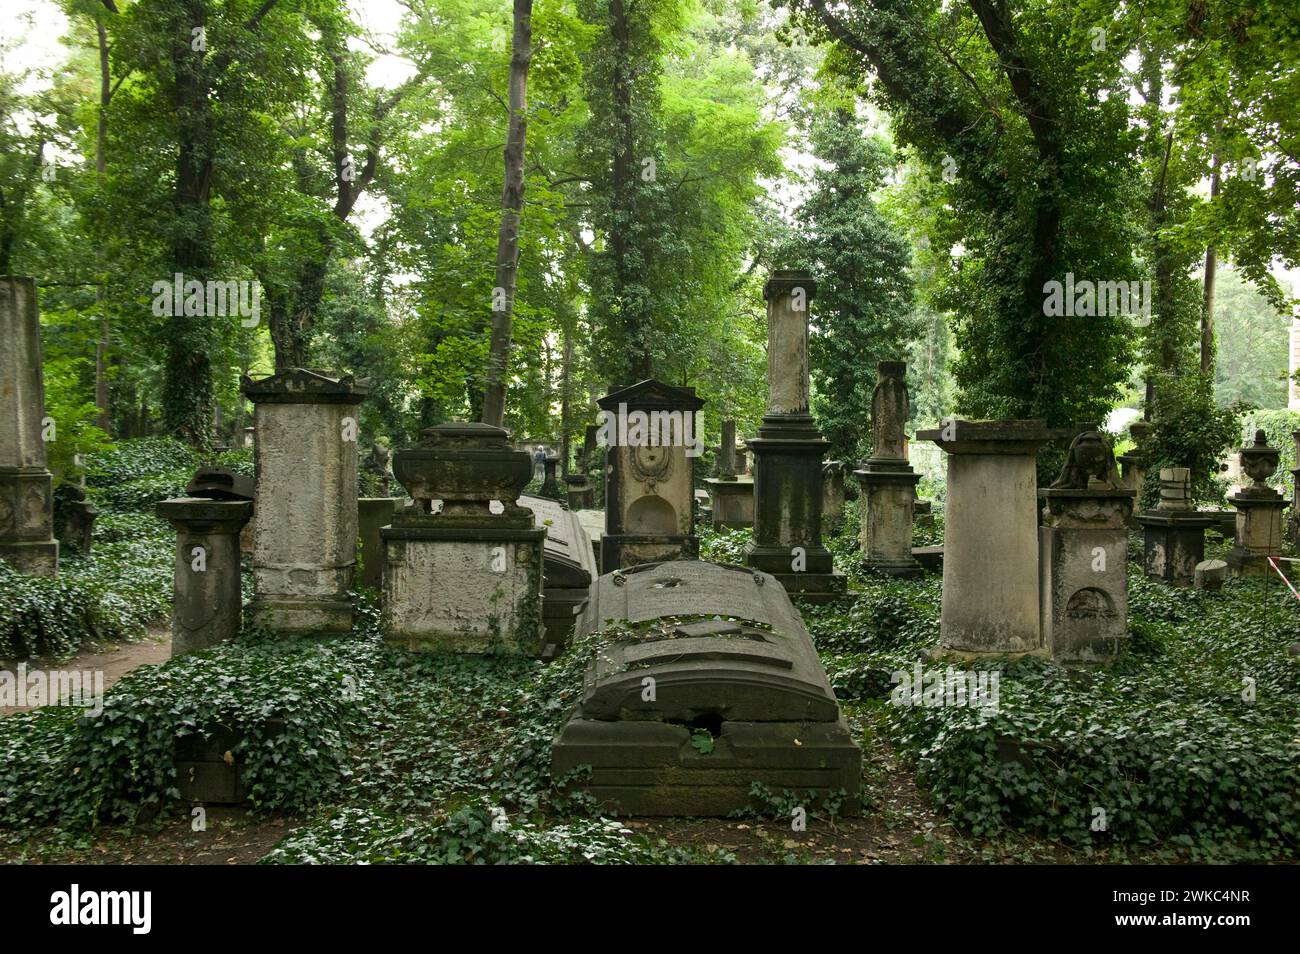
717	652
568	567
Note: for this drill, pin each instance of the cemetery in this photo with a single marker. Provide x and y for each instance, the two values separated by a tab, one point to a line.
811	535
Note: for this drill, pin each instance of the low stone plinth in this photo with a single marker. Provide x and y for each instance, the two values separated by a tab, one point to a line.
1259	532
206	599
1173	543
885	538
580	491
731	502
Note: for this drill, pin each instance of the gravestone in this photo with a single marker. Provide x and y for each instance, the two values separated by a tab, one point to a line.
1083	552
26	486
990	552
833	494
1174	533
1259	512
305	539
467	577
550	484
373	514
788	454
887	480
718	688
568	567
75	518
731	496
649	474
206	599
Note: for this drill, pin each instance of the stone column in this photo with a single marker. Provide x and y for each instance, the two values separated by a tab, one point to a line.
731	498
372	514
26	486
990	560
788	454
464	579
1083	549
305	542
1174	533
887	480
206	596
550	487
1259	512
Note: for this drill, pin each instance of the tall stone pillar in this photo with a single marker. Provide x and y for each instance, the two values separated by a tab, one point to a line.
990	559
206	596
731	498
305	541
788	454
1259	512
887	480
26	486
1174	533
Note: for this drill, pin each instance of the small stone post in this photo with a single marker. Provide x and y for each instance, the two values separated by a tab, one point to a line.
887	480
550	486
26	485
1174	533
788	454
206	595
990	560
305	541
1259	512
731	498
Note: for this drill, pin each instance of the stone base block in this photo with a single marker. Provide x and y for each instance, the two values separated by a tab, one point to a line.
732	503
651	768
32	558
1173	543
289	615
619	550
463	590
1084	598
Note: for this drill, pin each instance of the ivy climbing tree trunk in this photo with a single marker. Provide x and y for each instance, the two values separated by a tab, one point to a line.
512	203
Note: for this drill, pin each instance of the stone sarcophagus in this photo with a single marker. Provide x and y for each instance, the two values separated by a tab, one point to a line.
568	567
711	686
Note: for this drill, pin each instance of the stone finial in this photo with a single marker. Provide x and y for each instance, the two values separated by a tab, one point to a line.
1259	462
1089	458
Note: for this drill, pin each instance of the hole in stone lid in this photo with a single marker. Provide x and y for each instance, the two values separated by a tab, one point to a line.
710	722
667	582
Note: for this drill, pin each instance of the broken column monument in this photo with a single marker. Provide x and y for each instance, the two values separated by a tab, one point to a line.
305	540
1083	552
717	689
990	561
1174	532
1259	512
731	496
887	480
26	486
788	454
651	444
466	577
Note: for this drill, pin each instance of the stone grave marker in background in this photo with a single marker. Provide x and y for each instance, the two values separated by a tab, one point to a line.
1259	512
206	599
568	567
1174	533
373	514
731	496
887	480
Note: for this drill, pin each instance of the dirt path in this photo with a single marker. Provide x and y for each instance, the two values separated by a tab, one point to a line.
114	660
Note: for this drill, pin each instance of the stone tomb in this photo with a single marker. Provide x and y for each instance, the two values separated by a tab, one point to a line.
650	477
464	576
26	485
719	689
1174	533
568	567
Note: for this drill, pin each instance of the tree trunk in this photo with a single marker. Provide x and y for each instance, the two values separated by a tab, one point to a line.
1211	262
512	203
102	419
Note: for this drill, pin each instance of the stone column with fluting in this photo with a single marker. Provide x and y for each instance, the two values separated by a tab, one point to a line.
887	480
26	486
305	541
731	498
206	594
788	454
1259	512
990	559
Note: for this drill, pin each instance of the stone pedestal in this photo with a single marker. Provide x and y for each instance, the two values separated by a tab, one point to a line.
788	455
206	597
731	502
649	474
833	494
550	484
305	542
580	491
26	487
373	513
1174	534
1083	554
78	531
464	579
1259	512
990	562
887	481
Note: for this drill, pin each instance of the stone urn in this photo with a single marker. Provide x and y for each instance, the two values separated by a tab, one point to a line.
466	466
1259	462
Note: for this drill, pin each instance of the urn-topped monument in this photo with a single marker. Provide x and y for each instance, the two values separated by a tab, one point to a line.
1259	511
463	562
